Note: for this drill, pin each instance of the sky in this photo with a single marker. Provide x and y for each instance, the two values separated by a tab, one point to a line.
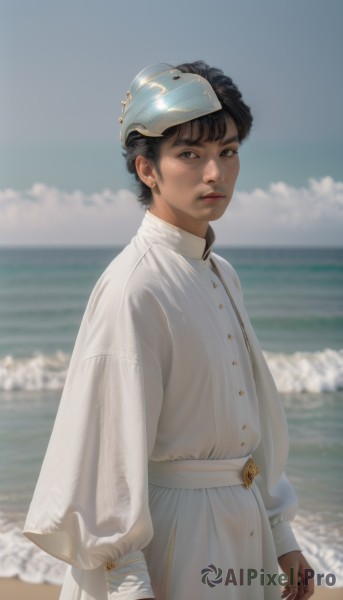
65	66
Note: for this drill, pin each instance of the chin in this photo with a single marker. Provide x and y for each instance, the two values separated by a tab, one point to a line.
217	214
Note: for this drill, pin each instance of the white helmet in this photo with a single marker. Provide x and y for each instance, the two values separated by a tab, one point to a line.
161	96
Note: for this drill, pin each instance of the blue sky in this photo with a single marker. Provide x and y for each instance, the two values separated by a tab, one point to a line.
65	66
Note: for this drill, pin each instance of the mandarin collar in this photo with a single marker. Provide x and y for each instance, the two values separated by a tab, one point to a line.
187	244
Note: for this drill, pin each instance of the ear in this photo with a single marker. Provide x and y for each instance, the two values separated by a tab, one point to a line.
145	171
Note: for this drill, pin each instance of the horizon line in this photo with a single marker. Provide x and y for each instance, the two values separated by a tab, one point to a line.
108	246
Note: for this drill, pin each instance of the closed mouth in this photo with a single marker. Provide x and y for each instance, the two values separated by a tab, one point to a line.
212	197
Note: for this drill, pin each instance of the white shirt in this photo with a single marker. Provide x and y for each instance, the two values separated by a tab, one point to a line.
160	371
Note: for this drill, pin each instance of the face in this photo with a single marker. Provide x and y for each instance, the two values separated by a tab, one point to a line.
195	181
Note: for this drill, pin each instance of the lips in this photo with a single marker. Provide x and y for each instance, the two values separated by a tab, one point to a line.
213	195
212	198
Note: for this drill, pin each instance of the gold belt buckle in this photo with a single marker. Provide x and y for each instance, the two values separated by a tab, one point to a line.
250	470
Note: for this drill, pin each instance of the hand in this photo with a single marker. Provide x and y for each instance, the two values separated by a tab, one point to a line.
294	565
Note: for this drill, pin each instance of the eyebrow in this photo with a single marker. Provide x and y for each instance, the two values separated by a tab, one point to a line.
199	144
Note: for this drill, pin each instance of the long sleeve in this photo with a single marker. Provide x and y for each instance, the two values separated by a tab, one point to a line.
90	505
271	455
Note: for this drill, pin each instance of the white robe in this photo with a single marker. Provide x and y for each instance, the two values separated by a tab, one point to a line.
160	372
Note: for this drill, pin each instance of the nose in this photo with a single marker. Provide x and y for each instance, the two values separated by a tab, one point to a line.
213	170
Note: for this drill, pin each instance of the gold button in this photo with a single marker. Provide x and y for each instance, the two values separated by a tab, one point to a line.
235	363
229	336
215	285
221	306
241	392
244	427
110	565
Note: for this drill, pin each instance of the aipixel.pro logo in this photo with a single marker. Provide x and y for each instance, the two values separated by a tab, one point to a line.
211	575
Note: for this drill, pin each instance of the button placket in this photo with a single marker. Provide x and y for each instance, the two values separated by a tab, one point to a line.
229	335
243	435
233	351
215	286
244	427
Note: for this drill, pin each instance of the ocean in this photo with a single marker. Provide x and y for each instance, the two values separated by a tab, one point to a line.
294	298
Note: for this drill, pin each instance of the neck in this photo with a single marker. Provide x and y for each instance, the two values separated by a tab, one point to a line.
198	228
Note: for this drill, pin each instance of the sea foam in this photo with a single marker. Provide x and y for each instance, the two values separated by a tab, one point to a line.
21	558
312	372
38	372
321	543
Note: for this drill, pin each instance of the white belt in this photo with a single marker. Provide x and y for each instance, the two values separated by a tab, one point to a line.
197	474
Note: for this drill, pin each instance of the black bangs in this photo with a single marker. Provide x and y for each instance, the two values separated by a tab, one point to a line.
208	128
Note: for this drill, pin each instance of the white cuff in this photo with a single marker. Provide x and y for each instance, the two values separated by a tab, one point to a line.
283	535
129	580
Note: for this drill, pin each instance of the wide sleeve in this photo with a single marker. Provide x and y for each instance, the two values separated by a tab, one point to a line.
271	454
90	505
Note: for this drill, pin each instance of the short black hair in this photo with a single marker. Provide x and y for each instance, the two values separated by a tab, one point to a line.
209	127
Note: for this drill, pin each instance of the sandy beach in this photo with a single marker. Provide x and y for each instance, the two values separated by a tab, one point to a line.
14	589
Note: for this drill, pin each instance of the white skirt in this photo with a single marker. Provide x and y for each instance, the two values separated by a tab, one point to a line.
212	538
210	541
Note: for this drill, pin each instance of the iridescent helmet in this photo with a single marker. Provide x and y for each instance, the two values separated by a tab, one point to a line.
162	96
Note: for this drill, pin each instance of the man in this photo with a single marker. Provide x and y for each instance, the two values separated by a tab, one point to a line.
164	474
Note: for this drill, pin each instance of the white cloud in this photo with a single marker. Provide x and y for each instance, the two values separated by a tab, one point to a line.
281	215
44	215
285	215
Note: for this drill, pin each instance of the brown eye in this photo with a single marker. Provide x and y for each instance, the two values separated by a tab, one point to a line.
187	154
229	152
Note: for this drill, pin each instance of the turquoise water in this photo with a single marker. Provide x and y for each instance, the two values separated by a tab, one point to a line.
294	298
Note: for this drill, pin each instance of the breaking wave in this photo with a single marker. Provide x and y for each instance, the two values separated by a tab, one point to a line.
38	372
311	372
